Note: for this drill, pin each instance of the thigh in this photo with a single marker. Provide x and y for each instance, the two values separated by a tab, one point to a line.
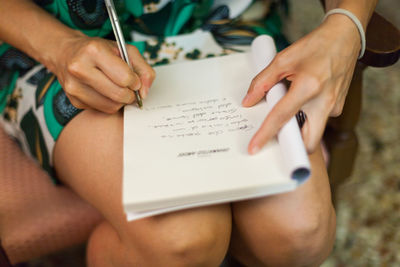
88	158
302	220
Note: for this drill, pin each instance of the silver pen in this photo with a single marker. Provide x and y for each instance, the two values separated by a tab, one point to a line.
119	37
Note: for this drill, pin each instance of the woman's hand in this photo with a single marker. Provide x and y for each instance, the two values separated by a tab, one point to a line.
93	75
320	67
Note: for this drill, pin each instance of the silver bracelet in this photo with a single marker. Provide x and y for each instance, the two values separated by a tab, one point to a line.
356	22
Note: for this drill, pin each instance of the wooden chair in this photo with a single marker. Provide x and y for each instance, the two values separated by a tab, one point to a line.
37	218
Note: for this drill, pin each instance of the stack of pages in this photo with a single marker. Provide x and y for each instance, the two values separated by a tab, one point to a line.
188	146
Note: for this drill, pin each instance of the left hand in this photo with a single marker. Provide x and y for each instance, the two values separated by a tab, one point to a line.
320	67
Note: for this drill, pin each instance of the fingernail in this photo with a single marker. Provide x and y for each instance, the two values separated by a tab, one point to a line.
137	85
143	92
254	150
245	99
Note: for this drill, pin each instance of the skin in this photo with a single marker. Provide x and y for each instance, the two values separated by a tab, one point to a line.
90	70
291	229
320	67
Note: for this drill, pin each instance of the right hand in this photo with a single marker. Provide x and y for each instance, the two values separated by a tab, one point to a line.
93	74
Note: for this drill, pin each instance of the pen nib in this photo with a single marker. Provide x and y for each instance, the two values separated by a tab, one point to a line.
139	100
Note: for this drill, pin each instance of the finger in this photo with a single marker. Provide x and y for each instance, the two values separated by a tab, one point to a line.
90	98
75	102
117	70
107	88
142	68
301	91
340	100
263	82
285	109
314	128
337	108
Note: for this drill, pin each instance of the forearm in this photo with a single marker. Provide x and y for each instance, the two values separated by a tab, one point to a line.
362	9
32	30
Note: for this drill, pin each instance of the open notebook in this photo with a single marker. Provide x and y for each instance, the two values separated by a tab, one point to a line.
188	146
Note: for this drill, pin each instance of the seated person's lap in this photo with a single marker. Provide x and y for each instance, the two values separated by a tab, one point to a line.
88	158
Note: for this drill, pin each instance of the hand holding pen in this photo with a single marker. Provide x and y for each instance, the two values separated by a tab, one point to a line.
119	37
93	75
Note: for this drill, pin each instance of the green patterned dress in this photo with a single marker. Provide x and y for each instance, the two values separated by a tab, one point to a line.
34	108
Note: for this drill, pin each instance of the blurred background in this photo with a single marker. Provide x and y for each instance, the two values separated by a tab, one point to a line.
368	208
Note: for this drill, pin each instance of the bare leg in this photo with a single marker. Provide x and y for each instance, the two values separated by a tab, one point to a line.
88	158
291	229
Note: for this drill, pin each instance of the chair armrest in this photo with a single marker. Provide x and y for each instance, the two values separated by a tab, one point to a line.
383	43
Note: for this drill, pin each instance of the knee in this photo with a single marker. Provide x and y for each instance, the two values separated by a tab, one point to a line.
192	249
308	241
183	242
303	241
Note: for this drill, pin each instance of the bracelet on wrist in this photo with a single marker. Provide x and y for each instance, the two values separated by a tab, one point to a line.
356	22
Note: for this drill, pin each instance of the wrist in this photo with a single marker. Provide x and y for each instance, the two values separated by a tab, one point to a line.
342	29
55	51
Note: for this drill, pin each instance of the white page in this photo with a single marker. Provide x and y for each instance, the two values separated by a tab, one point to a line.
187	158
157	151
